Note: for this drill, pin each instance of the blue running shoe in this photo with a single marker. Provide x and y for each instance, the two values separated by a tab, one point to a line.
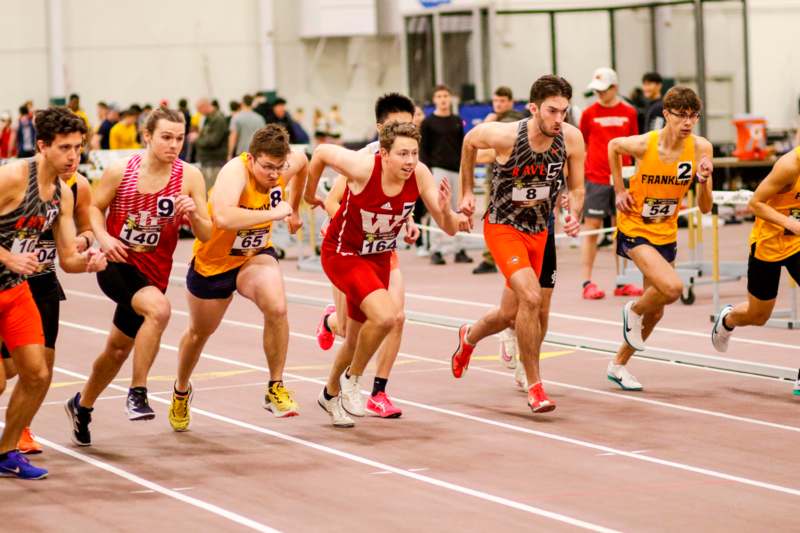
18	466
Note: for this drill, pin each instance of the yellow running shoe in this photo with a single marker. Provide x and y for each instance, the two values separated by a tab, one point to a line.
179	412
279	400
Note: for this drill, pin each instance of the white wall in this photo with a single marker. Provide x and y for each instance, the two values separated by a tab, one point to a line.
168	49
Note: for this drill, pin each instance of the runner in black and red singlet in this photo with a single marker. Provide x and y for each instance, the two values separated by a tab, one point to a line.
147	196
356	253
530	157
33	200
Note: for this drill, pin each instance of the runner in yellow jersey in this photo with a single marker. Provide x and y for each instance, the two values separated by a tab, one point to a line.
249	196
774	242
668	161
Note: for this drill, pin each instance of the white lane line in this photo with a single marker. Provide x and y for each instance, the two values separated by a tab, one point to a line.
576	345
374	464
486	421
581	318
155	487
624	397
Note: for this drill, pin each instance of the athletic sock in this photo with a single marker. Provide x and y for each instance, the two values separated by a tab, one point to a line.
138	390
326	395
179	393
585	283
325	324
379	385
724	325
271	383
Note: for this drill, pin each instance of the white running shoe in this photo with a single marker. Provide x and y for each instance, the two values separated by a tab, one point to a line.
334	408
520	378
352	399
796	390
632	327
720	334
620	375
508	348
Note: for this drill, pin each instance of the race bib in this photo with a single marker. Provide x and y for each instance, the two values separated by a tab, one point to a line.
658	209
46	255
375	243
529	193
140	238
24	244
250	241
795	214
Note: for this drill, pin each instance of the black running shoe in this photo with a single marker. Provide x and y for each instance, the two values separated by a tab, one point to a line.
484	267
437	259
462	257
80	418
137	405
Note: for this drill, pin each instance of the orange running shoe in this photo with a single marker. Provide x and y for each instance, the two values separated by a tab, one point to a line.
460	360
27	445
538	400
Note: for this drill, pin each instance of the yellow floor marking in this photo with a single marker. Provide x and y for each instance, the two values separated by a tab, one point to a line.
543	355
203	376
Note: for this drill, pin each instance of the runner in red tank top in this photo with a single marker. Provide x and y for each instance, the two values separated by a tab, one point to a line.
356	252
147	196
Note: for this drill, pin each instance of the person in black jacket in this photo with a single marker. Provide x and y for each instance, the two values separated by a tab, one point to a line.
442	137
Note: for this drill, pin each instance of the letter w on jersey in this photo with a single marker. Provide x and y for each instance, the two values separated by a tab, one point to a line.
380	230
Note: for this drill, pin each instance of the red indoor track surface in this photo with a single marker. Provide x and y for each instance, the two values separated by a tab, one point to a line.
698	449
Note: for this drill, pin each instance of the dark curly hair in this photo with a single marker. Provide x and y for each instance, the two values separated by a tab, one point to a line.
548	86
271	140
55	121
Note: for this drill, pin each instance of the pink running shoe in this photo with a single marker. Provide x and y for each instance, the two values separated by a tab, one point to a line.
324	336
380	405
538	400
460	360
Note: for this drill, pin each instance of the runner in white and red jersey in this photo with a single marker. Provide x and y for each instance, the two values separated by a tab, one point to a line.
147	197
356	253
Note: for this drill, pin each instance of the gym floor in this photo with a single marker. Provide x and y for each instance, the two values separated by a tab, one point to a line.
698	449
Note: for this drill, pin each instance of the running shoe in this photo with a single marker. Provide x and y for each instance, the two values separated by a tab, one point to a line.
484	267
137	405
520	377
380	405
278	399
180	410
632	327
538	400
628	290
80	417
26	443
334	408
720	334
437	259
18	466
325	336
619	374
796	389
508	348
592	292
352	400
462	257
460	359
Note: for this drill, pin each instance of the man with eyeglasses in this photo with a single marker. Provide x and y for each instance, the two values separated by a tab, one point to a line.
247	198
668	161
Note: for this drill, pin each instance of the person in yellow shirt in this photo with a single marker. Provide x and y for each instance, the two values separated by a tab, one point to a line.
774	242
123	134
668	161
248	197
74	105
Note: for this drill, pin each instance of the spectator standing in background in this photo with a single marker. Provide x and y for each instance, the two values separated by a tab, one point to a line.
242	127
607	118
103	136
211	142
652	83
124	135
440	149
26	133
183	108
6	136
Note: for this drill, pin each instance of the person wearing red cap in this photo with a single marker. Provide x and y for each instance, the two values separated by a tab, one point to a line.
609	117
